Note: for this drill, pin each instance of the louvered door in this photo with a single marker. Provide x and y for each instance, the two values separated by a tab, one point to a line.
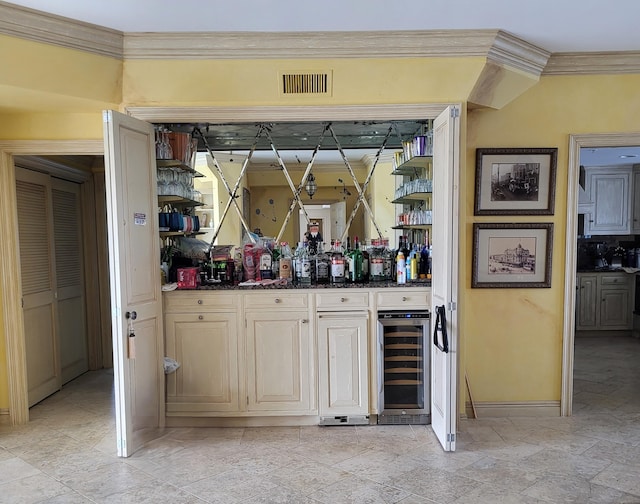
72	327
37	260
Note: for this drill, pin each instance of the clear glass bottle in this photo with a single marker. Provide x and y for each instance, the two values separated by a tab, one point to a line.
266	264
355	262
323	266
304	262
389	261
366	261
286	262
337	264
297	263
376	260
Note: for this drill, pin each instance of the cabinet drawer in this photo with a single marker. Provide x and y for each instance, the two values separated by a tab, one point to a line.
347	299
614	280
269	300
198	301
400	299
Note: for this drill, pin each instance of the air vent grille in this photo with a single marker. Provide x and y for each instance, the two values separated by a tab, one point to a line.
305	83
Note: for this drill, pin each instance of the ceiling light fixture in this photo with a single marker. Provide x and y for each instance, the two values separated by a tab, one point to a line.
310	186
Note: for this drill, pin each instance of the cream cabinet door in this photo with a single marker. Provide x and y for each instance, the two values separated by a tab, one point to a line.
279	362
342	364
610	193
587	302
206	346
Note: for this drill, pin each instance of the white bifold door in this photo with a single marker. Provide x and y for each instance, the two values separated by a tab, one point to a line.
134	269
444	328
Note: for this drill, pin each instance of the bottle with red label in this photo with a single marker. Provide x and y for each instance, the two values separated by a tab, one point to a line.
337	264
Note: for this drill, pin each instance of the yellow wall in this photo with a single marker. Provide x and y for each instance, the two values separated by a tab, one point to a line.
511	338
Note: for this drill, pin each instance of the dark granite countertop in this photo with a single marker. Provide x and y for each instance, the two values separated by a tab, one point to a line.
369	285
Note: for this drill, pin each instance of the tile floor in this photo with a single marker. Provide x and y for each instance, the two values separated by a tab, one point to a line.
67	453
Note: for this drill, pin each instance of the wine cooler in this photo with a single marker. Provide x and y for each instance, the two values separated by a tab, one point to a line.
403	367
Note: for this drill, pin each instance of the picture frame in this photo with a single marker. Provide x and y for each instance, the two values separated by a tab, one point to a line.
515	181
509	255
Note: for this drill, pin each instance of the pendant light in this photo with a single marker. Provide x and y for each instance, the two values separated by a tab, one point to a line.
310	186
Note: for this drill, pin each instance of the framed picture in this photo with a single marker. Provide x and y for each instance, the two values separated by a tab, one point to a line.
515	181
512	255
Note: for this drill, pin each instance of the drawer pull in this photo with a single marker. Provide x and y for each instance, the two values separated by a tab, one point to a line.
199	301
200	317
343	300
278	300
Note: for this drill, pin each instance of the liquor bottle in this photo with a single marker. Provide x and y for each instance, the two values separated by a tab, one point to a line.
266	264
275	261
401	268
304	276
337	264
413	262
323	265
297	263
355	262
347	261
388	260
424	258
286	262
376	262
366	261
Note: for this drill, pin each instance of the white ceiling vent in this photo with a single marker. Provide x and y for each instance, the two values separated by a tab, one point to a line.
306	83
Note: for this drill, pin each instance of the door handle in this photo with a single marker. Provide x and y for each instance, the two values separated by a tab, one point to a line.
131	315
441	327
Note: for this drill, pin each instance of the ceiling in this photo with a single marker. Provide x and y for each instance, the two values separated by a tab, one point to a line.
553	25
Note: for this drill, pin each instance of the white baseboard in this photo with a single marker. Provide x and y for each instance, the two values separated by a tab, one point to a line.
514	409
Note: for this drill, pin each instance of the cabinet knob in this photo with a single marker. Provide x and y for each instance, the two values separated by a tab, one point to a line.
278	300
200	317
342	300
199	301
305	321
405	298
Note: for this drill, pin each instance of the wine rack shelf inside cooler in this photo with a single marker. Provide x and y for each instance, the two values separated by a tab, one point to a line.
403	367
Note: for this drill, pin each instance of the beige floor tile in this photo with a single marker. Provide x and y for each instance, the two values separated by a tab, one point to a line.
572	489
14	468
32	489
354	490
625	478
439	486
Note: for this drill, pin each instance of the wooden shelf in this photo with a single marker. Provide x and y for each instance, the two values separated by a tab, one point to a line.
403	346
404	358
403	382
403	370
403	406
404	334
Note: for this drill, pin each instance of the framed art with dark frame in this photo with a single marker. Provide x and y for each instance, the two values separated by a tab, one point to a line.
512	255
515	181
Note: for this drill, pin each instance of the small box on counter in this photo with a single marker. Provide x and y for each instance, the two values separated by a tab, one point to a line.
188	278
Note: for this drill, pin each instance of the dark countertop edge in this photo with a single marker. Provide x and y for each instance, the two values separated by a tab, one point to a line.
370	285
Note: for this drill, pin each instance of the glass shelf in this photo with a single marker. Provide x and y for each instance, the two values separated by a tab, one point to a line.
178	200
412	226
411	198
174	163
415	163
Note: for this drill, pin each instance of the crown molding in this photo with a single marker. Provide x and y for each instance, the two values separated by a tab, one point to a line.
261	45
512	51
622	62
38	26
496	45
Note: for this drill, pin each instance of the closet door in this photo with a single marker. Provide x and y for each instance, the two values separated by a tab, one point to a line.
72	324
37	260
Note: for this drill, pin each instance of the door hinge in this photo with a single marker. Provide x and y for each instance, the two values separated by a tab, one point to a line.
22	302
452	306
451	438
455	112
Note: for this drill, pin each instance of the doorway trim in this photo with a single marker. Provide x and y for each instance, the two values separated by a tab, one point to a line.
10	277
12	322
576	142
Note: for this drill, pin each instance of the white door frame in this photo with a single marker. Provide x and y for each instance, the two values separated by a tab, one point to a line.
13	326
576	142
10	283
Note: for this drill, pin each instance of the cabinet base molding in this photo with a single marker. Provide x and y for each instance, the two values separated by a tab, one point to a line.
514	409
262	421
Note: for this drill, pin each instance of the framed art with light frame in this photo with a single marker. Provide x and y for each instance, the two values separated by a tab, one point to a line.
512	255
515	181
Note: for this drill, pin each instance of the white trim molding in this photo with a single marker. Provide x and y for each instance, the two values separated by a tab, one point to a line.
514	409
624	62
39	26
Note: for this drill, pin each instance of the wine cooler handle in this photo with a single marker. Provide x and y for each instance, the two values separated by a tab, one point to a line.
441	326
